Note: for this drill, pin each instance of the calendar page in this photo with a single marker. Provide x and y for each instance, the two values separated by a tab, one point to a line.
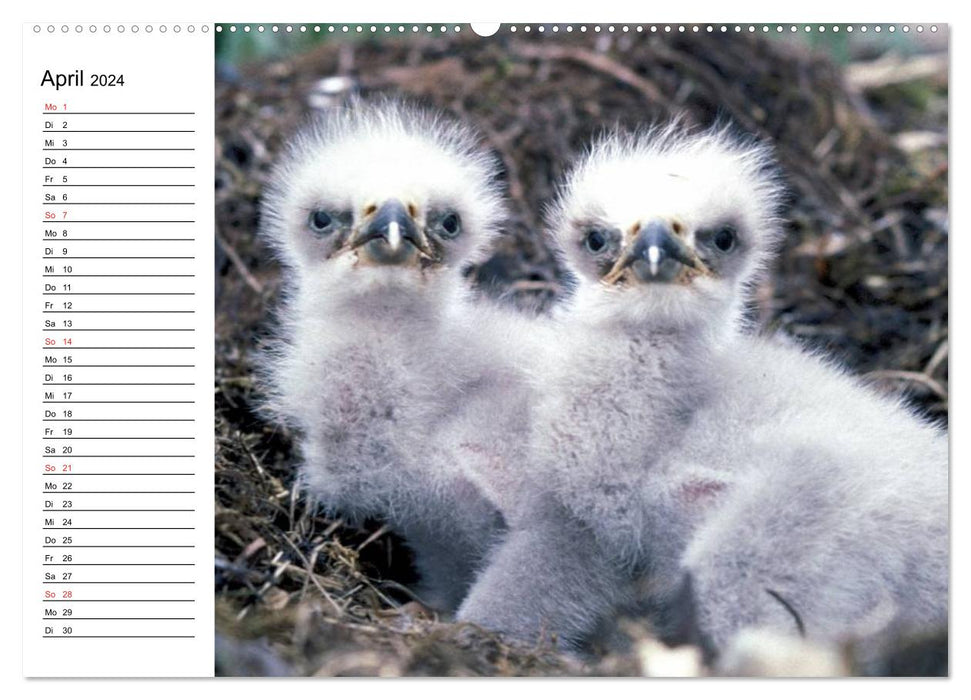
520	349
118	420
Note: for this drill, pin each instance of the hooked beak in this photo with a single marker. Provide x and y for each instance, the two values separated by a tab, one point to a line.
656	255
391	237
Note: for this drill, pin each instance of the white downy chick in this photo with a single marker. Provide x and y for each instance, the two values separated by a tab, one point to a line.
374	211
667	441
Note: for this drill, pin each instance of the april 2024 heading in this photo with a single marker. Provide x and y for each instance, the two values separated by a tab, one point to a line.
76	79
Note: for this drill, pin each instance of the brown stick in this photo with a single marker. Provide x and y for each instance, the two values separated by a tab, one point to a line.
600	63
237	261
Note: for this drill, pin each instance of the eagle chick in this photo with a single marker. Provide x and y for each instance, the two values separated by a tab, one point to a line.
684	468
374	211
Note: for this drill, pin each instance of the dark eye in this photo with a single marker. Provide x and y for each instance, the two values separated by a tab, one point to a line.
595	241
725	239
320	221
451	225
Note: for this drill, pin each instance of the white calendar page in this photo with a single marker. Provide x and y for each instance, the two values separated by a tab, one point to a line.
118	313
117	173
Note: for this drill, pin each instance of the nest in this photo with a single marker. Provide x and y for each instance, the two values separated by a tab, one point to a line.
862	274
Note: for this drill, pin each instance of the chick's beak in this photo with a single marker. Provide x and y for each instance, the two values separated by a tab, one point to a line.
391	236
657	254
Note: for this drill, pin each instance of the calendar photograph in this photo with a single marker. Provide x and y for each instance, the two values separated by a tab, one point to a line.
581	350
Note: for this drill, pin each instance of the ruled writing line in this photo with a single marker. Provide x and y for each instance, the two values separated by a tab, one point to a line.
109	204
126	113
119	221
115	437
65	148
118	131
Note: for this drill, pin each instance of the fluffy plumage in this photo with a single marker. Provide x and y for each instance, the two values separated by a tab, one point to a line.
668	441
374	211
835	502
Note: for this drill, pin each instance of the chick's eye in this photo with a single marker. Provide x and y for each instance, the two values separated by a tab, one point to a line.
320	221
724	239
595	241
451	225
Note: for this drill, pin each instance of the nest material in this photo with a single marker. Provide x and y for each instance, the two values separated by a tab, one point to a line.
862	274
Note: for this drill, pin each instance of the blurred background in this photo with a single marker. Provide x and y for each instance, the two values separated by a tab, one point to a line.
859	121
